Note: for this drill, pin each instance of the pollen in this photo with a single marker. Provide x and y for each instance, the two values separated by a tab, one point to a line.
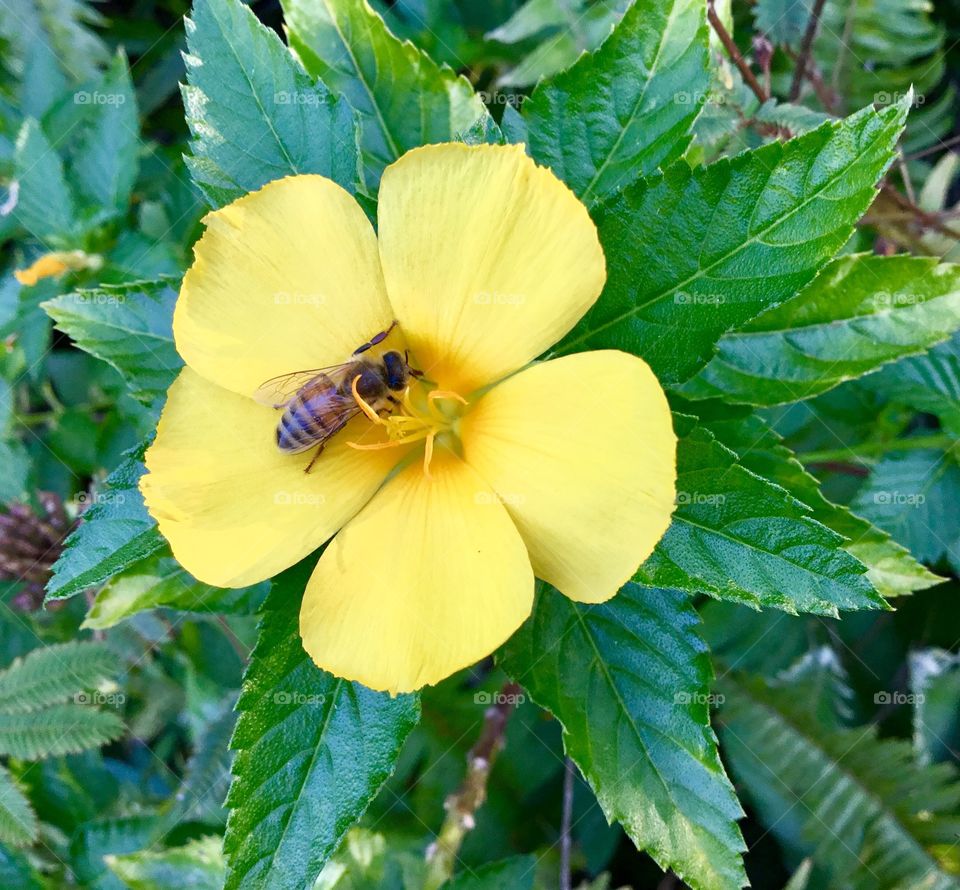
422	416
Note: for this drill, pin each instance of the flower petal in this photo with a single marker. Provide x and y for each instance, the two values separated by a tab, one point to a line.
284	279
581	451
488	259
233	507
428	578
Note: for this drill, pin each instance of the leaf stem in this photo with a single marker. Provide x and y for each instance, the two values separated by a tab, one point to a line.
878	449
462	805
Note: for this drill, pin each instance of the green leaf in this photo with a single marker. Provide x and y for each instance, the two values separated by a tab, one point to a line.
693	253
128	326
567	29
103	155
197	865
45	205
859	806
160	581
515	873
915	496
890	567
783	22
861	312
929	382
739	537
59	729
116	532
18	822
254	114
935	686
627	108
403	97
629	682
54	673
312	752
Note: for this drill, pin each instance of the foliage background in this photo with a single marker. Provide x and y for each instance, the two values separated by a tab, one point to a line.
841	735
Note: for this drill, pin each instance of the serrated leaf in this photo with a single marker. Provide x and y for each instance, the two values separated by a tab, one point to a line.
160	581
18	822
312	752
860	807
403	97
197	865
929	382
53	673
693	253
116	532
254	114
890	566
103	151
629	682
59	729
740	537
627	108
128	326
45	205
915	496
567	29
861	312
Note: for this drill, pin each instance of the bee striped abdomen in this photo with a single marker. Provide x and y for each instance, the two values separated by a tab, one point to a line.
306	421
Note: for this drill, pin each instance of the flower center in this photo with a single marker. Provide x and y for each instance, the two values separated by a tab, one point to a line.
422	415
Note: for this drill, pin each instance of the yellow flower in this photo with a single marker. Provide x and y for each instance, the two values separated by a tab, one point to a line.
563	469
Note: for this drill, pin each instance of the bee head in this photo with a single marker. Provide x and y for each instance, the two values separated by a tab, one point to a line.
396	370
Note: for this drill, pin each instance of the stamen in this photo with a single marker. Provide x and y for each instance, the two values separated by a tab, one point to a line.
413	423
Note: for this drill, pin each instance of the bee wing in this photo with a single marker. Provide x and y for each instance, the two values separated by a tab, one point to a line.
277	391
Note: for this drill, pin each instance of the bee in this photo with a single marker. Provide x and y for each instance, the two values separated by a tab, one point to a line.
318	403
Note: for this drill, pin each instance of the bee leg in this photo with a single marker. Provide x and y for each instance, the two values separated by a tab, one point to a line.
313	460
375	340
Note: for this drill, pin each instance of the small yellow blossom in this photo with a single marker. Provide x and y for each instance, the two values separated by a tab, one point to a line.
49	265
491	471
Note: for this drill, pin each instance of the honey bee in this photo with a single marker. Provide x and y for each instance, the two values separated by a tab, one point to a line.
318	403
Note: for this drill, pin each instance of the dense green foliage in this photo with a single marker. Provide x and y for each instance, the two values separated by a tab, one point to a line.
773	697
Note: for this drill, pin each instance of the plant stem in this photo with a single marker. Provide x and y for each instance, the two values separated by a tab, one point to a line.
462	805
806	47
734	53
877	449
566	820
